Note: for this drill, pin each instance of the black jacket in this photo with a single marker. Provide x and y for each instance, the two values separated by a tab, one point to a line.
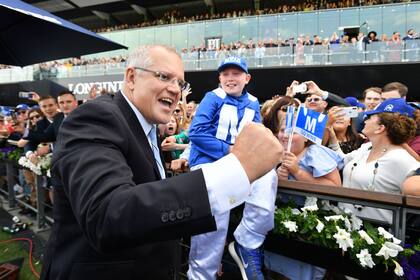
113	216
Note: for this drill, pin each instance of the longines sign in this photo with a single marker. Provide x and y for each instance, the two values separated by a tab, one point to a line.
82	85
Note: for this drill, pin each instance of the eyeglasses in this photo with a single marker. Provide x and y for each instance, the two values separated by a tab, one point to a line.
167	78
20	112
315	99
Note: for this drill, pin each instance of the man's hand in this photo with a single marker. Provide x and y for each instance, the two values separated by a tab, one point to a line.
22	142
257	150
314	89
43	150
179	165
33	158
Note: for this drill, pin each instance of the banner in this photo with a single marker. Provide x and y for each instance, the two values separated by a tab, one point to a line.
311	124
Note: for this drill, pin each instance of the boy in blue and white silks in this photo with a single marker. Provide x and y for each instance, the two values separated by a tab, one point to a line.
220	117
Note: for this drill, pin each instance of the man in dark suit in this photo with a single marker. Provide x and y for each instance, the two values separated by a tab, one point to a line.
115	218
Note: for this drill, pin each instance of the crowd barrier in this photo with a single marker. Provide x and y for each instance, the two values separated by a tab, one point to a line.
400	205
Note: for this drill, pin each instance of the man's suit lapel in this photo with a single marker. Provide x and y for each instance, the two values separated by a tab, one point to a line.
138	130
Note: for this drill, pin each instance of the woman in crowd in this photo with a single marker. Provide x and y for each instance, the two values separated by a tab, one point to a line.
175	141
382	164
34	116
305	162
342	133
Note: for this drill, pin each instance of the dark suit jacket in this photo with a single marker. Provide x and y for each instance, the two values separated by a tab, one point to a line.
113	216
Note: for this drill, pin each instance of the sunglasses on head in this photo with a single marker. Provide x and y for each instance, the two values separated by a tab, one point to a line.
315	99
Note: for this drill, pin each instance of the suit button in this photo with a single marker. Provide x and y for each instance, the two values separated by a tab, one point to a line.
172	215
179	214
187	211
164	217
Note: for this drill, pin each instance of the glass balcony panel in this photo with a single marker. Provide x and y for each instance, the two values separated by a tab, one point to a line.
163	35
398	16
307	23
287	26
230	30
267	28
372	18
413	16
349	17
195	34
213	28
179	36
248	28
147	36
329	21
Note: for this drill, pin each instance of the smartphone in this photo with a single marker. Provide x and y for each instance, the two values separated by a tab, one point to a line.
25	94
350	112
301	88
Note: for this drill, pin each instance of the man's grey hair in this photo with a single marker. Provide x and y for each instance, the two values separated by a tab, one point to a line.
140	57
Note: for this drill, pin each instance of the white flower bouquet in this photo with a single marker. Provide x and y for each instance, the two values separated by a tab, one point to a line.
326	225
42	165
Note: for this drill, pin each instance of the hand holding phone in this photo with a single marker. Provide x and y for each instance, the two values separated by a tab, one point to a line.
350	112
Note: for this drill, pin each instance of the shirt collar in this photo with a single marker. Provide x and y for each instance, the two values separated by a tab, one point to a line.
144	124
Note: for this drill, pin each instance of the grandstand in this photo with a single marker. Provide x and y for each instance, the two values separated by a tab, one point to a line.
203	43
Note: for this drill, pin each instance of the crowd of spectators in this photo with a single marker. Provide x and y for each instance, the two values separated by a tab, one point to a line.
251	48
176	16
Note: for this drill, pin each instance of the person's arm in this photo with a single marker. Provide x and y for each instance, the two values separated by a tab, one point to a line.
291	163
115	212
200	130
411	151
411	185
331	98
47	135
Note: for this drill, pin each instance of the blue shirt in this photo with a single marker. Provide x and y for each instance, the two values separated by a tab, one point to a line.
217	122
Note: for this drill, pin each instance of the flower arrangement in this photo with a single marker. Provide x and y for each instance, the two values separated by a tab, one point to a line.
326	225
11	153
41	166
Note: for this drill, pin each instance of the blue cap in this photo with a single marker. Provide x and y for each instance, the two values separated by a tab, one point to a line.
234	61
22	107
354	102
393	105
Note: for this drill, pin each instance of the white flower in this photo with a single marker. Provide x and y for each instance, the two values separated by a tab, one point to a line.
295	211
396	241
398	269
290	225
343	239
319	226
347	223
356	222
334	218
49	173
310	201
384	233
310	208
363	234
365	258
389	249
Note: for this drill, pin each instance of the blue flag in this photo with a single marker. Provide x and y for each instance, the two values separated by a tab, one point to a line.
311	124
289	119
